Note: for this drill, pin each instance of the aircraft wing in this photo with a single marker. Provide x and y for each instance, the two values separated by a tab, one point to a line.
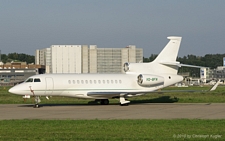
215	86
104	94
114	94
211	89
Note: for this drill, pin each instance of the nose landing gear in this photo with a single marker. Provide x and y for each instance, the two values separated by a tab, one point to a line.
37	100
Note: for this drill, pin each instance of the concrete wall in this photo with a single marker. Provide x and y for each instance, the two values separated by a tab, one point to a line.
81	59
66	59
93	59
85	59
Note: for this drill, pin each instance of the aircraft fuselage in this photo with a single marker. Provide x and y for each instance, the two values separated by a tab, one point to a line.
84	85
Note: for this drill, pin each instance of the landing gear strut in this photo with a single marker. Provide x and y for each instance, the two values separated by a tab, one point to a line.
37	100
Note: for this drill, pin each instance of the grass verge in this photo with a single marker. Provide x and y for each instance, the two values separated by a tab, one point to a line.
126	130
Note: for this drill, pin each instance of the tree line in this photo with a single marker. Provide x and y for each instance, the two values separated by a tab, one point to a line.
17	57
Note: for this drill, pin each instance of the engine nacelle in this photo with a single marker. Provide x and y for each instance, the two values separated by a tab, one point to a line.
126	67
149	80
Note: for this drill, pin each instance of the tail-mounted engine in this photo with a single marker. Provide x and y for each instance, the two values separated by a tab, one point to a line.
126	67
132	67
149	80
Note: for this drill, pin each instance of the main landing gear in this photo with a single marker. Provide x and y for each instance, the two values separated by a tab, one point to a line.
123	101
104	102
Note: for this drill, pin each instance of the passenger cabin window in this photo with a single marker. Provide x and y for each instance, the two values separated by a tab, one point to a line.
29	80
37	80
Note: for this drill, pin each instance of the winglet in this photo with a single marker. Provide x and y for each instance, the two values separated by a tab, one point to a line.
215	86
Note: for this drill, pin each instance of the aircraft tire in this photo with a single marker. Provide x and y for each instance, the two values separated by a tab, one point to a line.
36	106
104	102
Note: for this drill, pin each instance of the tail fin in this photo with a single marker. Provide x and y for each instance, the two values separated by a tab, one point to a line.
169	53
165	62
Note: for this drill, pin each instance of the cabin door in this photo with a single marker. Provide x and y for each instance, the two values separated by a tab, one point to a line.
49	85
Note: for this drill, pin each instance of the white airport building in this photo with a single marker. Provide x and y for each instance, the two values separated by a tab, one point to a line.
87	59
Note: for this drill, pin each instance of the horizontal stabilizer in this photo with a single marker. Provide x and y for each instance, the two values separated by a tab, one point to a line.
192	66
171	63
180	65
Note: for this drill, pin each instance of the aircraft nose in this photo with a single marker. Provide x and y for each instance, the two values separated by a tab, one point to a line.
20	89
12	90
15	90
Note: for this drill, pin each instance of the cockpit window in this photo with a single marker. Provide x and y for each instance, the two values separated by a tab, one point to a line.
37	80
29	80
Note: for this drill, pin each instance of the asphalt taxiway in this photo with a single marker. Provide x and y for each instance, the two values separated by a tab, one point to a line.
136	111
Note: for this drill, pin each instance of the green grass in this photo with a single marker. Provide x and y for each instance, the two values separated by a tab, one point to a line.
126	130
217	96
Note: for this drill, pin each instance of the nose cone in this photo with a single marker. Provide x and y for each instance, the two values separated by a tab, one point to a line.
18	89
12	90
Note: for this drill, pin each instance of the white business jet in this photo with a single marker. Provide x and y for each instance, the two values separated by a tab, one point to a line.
139	79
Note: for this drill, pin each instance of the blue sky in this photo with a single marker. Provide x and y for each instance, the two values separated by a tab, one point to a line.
27	25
